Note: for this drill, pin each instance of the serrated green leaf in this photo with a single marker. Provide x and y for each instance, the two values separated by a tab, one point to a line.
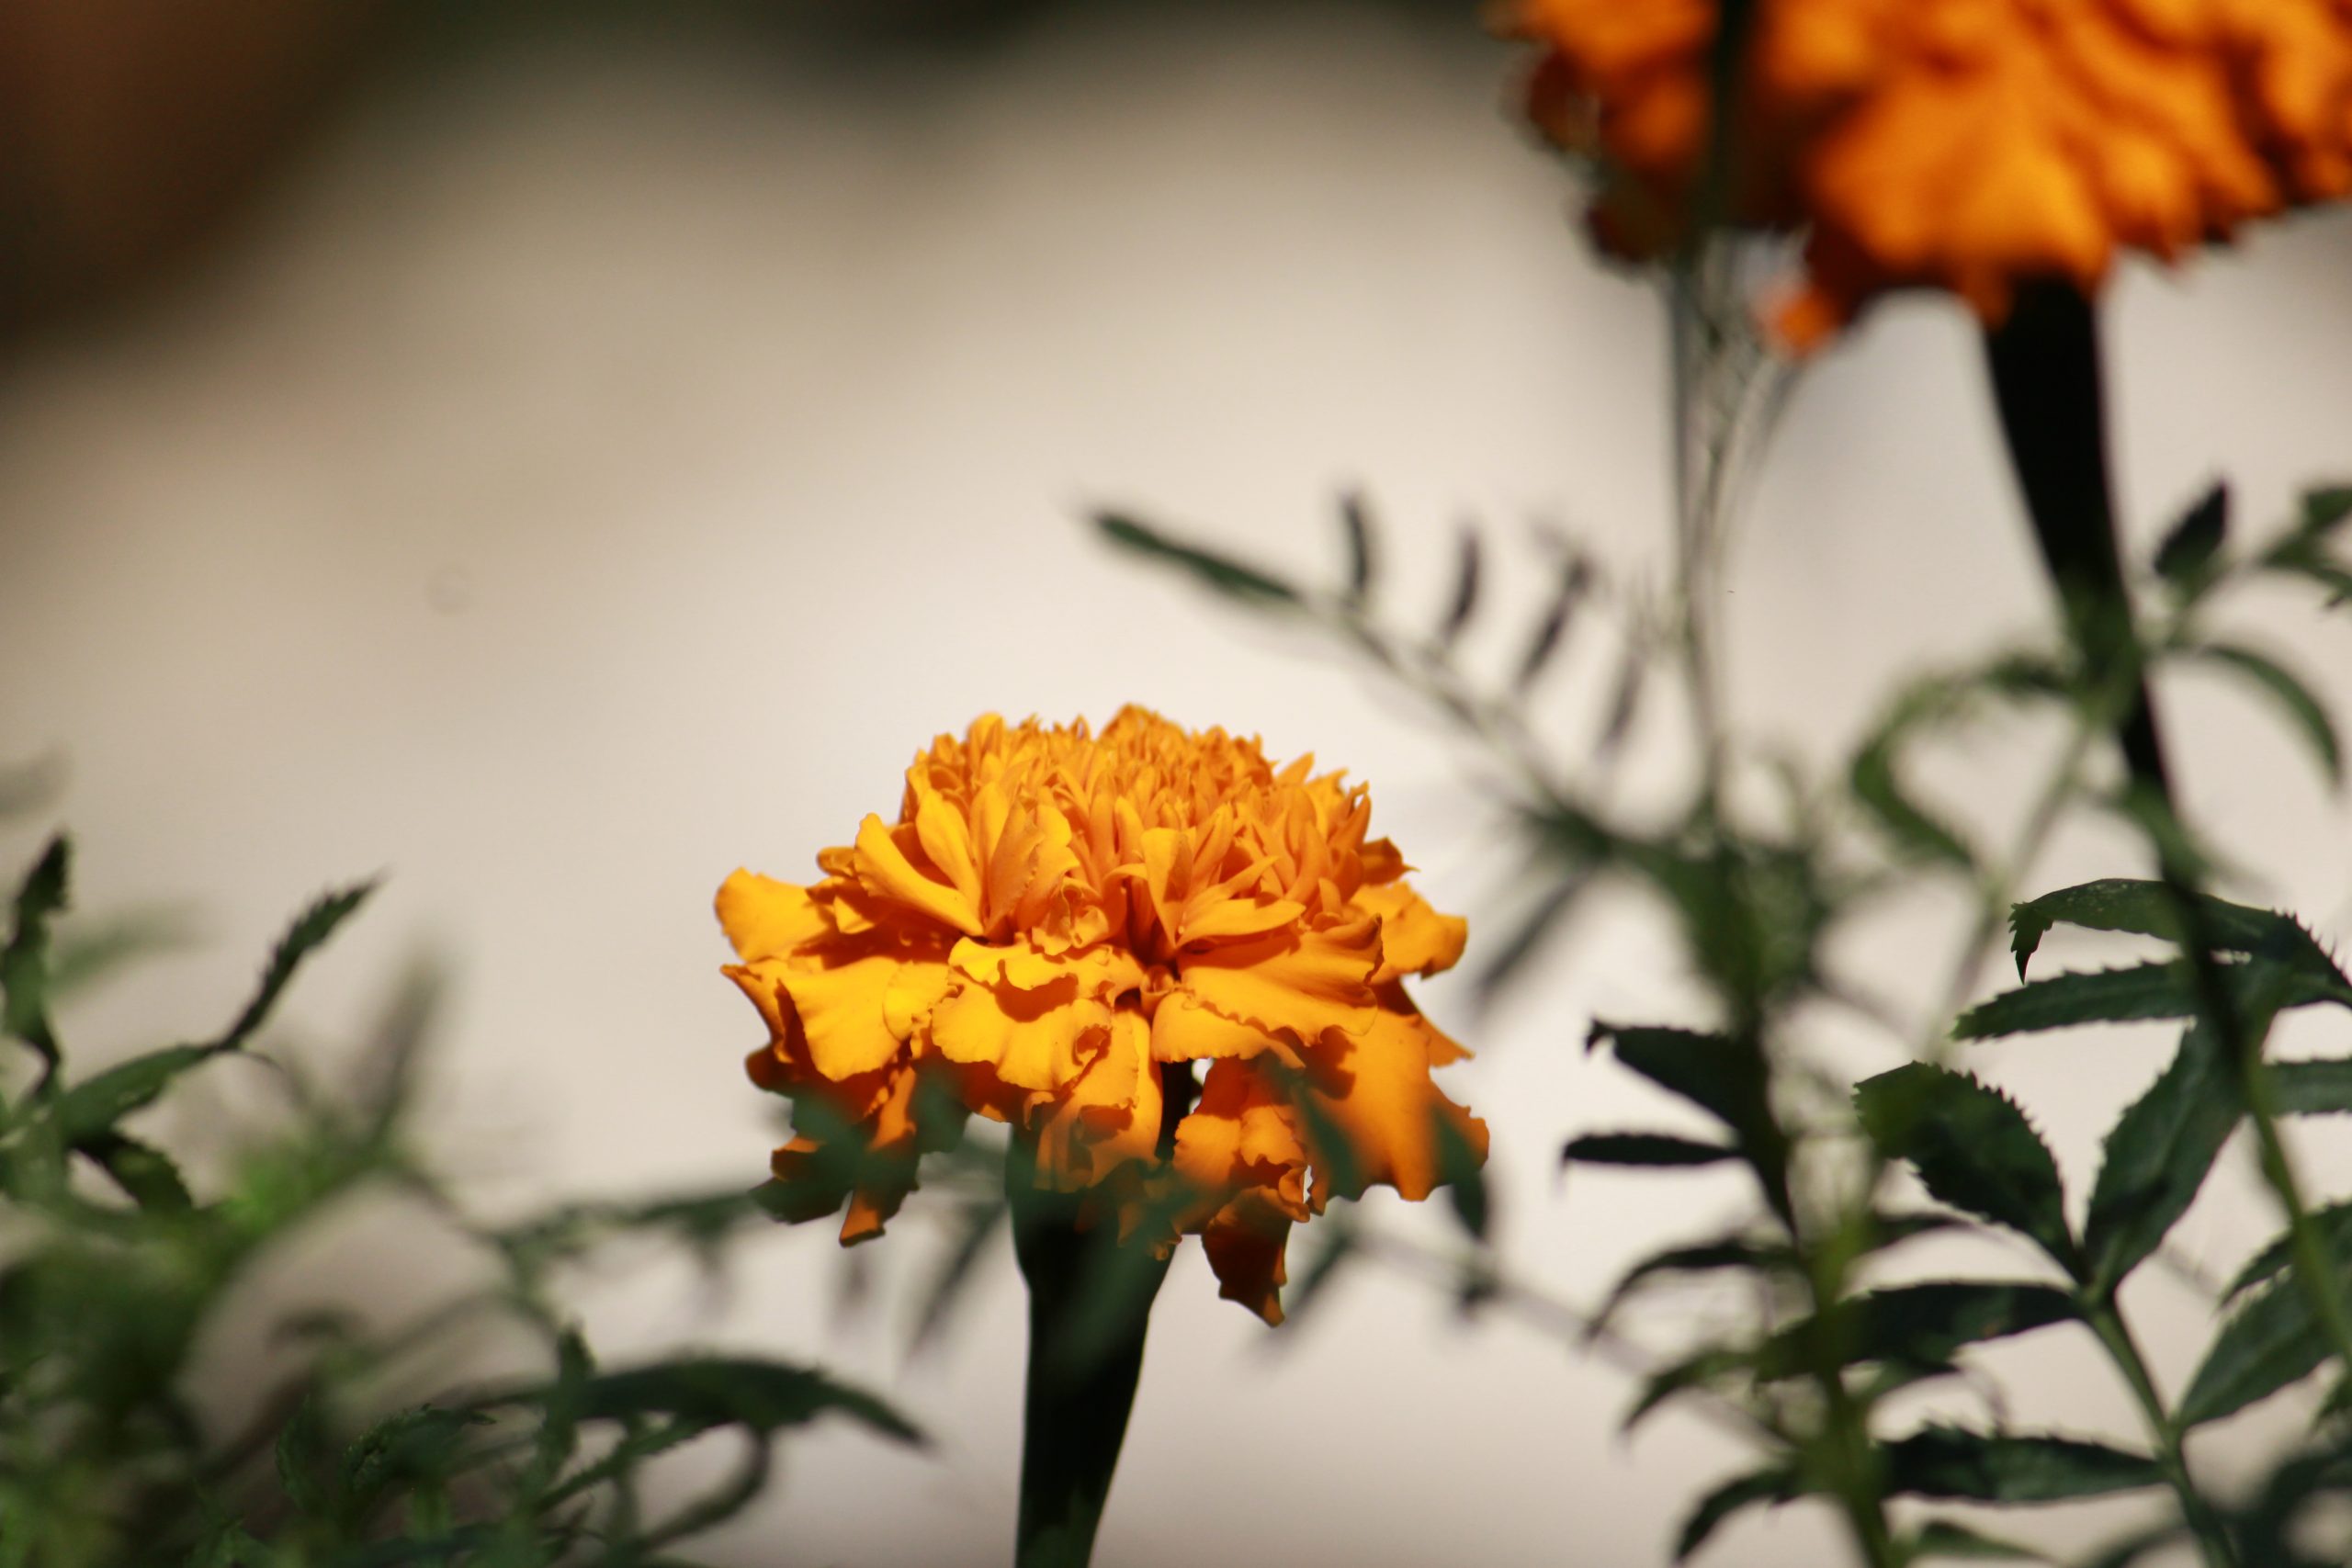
1773	1484
97	1102
1972	1147
1711	1071
2186	558
301	1452
1922	1324
2269	1342
2096	996
2307	714
414	1445
1219	572
2150	909
146	1176
2158	1157
1983	1467
2317	1088
1643	1148
24	963
2334	1222
310	927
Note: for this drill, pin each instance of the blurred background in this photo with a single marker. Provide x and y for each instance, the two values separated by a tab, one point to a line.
557	454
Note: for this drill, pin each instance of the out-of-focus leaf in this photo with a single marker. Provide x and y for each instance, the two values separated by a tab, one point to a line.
1732	1252
1363	557
720	1391
2269	1342
2325	509
2186	558
1575	582
24	963
1972	1147
1693	1371
1773	1484
1464	601
301	1454
1334	1248
977	1225
1912	827
1460	1168
1922	1324
401	1450
310	927
1220	572
145	1174
1981	1467
2335	1224
2131	1548
2158	1157
1643	1148
1939	1540
2308	716
82	955
97	1102
1528	939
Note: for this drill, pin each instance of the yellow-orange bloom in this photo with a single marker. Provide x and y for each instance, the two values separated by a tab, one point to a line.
1967	145
1059	925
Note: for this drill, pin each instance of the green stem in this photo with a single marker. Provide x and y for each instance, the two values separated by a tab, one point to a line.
1090	1302
2046	380
2212	1539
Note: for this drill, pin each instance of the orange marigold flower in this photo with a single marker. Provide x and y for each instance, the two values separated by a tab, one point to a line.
1059	924
1967	145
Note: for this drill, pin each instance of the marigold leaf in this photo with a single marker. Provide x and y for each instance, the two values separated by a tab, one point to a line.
1921	1324
1712	1072
1464	601
2319	1087
146	1176
2094	996
2269	1342
1643	1148
1575	582
1943	1540
24	963
1983	1467
2158	1157
1220	572
98	1101
2151	909
2185	557
976	1226
2325	509
1460	1169
2334	1224
1693	1371
1363	562
1336	1245
1773	1484
2309	714
310	927
757	1395
1972	1148
1732	1252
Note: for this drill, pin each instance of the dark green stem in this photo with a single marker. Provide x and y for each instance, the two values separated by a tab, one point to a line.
1090	1302
2046	379
2212	1537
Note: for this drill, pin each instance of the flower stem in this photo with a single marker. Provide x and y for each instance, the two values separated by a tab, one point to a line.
2046	380
1090	1302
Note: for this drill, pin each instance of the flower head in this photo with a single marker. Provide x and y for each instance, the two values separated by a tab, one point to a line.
1967	145
1060	926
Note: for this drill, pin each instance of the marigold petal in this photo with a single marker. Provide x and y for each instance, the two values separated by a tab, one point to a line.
884	868
1376	1088
1414	938
1301	980
767	919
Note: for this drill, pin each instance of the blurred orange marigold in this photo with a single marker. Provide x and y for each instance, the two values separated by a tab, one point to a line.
1058	924
1966	145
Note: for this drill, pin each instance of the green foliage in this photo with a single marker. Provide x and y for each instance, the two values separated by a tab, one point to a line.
1972	1147
2158	1157
2188	558
1981	1467
103	1303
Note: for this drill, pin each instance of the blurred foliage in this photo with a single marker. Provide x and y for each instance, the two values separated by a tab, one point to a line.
1759	867
118	1265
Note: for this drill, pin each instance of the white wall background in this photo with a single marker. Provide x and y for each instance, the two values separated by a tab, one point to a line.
602	469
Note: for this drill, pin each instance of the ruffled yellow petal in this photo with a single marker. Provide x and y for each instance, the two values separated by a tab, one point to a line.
767	919
1109	1116
1376	1088
886	871
1414	938
1305	981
